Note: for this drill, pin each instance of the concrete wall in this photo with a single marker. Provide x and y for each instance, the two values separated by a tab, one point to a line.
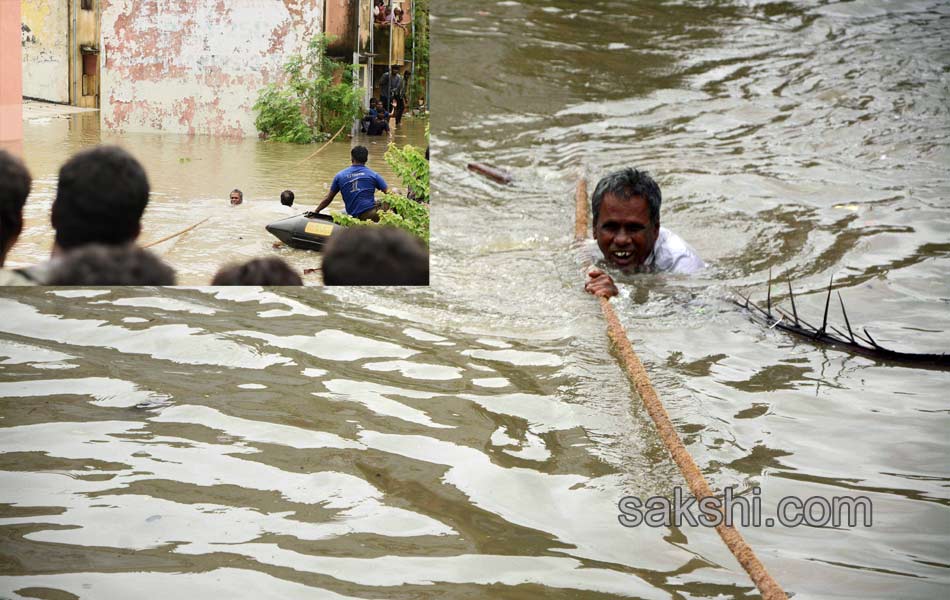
45	44
195	66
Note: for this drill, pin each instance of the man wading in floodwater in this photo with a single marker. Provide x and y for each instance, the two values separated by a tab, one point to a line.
358	184
626	210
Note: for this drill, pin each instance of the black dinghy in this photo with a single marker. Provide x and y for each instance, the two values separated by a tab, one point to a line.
309	231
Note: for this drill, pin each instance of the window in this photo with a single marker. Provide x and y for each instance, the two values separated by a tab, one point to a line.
86	4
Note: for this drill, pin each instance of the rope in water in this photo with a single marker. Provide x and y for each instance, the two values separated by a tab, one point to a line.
698	485
338	131
168	237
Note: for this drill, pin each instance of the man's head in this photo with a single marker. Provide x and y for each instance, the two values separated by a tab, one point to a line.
101	195
626	210
372	103
372	255
259	271
237	197
95	264
14	188
287	198
359	155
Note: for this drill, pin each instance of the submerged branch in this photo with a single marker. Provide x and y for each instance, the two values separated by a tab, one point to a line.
854	343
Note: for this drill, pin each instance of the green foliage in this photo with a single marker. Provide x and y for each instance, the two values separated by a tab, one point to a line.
398	211
309	106
411	166
421	69
279	117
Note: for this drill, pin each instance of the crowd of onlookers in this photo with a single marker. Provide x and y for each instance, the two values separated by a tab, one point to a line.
384	14
96	215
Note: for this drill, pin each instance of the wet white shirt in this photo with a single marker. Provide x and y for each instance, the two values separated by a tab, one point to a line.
671	254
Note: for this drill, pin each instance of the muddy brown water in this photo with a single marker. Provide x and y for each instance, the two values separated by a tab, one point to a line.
191	178
472	439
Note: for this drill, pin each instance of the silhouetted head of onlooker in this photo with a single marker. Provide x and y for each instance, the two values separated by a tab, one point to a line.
100	198
14	188
371	255
287	198
96	264
260	271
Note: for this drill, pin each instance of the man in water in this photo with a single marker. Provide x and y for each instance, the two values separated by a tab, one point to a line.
287	198
379	126
358	185
626	211
237	197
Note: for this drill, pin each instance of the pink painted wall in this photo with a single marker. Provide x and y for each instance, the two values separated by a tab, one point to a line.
11	74
195	66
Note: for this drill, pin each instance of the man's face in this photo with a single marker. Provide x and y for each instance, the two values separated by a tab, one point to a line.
235	198
624	231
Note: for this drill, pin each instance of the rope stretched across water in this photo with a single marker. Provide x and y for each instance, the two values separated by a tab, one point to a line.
168	237
768	587
329	141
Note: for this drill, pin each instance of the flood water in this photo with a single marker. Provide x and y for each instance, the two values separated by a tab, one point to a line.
807	137
191	178
472	439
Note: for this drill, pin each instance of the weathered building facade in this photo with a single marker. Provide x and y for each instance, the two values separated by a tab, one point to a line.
190	66
181	66
195	66
45	43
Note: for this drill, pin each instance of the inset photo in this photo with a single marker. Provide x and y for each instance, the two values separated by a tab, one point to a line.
283	143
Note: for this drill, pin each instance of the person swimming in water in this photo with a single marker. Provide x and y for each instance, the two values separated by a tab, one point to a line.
626	210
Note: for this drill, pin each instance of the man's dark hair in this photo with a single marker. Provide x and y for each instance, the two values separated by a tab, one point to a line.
287	198
626	184
372	255
100	198
15	183
95	264
359	154
259	271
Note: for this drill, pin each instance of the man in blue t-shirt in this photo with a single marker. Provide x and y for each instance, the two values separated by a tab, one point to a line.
358	185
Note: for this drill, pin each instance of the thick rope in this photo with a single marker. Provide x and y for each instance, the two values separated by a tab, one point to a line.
168	237
338	131
698	485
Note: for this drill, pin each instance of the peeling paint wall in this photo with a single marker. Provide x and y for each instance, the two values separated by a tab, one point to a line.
195	66
45	42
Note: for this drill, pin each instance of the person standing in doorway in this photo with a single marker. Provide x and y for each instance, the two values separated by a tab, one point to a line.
397	85
390	90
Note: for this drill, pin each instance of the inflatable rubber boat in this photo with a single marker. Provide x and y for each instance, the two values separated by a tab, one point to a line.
309	231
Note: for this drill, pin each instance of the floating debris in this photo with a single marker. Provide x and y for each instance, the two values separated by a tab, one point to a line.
499	175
